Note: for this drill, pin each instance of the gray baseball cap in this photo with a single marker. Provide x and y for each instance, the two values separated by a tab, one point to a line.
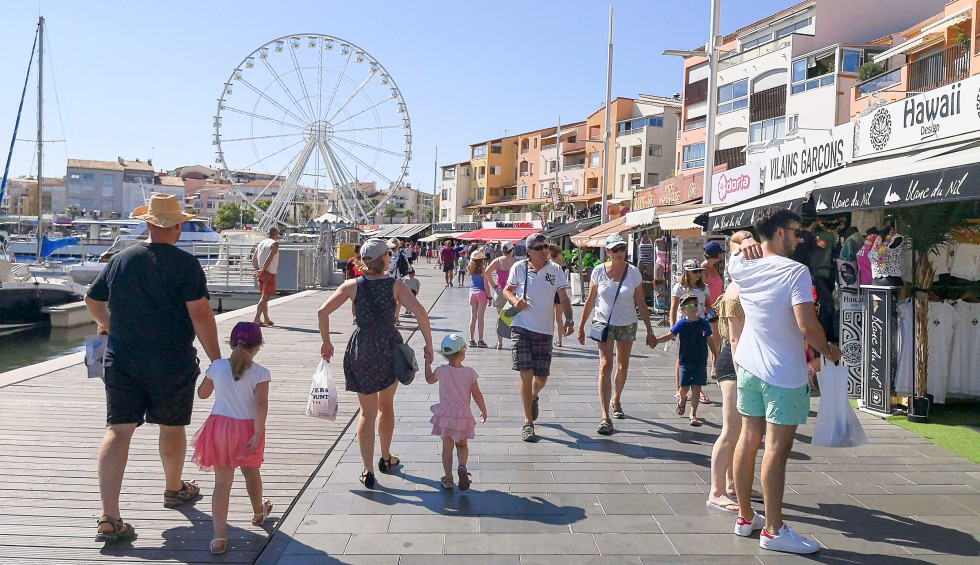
373	249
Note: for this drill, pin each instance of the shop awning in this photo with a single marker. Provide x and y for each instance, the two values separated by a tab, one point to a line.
401	231
442	236
571	228
642	217
596	237
497	234
683	219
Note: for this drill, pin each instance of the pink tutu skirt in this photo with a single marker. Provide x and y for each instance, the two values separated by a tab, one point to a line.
221	443
451	425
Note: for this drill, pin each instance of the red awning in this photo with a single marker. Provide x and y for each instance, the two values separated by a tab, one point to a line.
498	234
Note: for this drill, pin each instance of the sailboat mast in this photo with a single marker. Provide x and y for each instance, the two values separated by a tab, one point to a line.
40	151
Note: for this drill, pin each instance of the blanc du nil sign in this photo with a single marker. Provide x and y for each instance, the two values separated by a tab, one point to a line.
936	114
797	160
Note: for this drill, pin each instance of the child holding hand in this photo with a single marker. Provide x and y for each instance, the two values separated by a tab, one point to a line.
693	332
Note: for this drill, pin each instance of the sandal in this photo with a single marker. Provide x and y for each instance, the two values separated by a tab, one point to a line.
756	496
527	432
464	477
605	427
121	531
259	519
481	344
447	483
704	399
617	411
696	422
367	479
188	492
219	546
729	506
681	404
386	465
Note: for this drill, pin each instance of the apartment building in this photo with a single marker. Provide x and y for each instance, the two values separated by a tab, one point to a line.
494	173
570	169
621	109
788	73
455	191
411	205
111	187
20	197
645	145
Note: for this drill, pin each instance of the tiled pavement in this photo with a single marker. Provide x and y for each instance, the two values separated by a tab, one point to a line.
637	497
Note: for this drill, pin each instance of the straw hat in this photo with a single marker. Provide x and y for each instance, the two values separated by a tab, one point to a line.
163	211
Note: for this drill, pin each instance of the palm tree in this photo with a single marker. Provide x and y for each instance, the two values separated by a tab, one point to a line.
409	214
390	212
428	214
74	211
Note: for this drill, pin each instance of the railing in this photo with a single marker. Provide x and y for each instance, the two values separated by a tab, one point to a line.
939	69
546	147
572	147
573	167
448	176
631	131
635	158
697	123
744	56
882	81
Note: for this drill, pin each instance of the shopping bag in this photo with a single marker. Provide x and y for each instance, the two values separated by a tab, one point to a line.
95	346
323	394
837	424
504	320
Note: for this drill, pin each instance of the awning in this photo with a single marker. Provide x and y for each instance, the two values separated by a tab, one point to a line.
584	198
683	219
442	236
742	215
596	237
950	20
942	175
401	231
571	228
900	48
497	234
642	217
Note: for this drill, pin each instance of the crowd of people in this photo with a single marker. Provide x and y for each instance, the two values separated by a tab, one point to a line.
152	301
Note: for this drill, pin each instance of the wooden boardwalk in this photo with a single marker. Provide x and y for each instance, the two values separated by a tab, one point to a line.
51	426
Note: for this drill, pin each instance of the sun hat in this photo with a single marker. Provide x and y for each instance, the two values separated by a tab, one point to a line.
452	344
613	240
393	243
534	238
692	265
507	245
163	211
246	334
373	249
713	249
478	255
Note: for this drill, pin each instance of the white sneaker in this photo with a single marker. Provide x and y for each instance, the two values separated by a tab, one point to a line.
788	541
745	528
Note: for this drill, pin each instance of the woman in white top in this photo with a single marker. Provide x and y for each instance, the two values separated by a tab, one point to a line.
616	293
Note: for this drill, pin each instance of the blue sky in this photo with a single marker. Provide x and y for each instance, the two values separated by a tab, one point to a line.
141	78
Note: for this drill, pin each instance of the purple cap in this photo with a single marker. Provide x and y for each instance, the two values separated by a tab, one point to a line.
248	334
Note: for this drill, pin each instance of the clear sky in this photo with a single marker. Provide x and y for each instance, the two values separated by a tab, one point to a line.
135	79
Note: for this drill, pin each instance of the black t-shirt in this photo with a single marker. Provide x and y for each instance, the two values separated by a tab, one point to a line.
804	248
147	287
693	337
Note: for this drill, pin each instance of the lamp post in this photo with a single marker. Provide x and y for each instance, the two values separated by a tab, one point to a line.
603	213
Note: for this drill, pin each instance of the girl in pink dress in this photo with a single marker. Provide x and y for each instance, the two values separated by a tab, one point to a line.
452	419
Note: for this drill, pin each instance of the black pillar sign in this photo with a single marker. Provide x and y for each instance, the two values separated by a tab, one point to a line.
879	338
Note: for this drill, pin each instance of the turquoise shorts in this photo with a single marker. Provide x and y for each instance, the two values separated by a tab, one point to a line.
781	406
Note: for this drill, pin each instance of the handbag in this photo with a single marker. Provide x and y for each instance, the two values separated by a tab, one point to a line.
599	331
506	316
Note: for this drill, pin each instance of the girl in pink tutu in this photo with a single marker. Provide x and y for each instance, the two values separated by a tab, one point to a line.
234	434
452	419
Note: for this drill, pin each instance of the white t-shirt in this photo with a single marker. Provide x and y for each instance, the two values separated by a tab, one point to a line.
413	284
966	262
262	252
625	311
235	399
941	329
680	290
771	345
542	285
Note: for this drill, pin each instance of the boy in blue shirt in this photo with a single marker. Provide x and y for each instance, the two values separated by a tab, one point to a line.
693	332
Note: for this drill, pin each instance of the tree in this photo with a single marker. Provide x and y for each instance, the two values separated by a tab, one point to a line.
870	69
305	212
409	214
74	211
428	214
390	213
230	216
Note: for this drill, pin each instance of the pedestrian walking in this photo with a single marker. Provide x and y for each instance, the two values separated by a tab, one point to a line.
462	262
452	418
233	436
691	282
496	276
152	301
478	297
693	332
397	268
447	258
368	368
413	285
615	296
265	260
531	287
773	394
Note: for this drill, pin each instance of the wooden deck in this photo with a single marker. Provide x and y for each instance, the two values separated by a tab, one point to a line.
51	426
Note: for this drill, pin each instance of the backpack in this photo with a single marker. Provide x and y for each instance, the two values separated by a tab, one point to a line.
402	264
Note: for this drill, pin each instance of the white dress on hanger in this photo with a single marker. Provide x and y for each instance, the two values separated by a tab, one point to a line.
942	328
905	365
964	374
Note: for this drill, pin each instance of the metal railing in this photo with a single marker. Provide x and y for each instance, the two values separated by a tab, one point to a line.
573	167
744	56
696	123
880	82
939	69
635	158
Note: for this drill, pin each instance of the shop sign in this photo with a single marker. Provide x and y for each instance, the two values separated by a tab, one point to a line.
798	160
677	190
531	225
448	227
852	338
879	337
735	185
745	218
935	114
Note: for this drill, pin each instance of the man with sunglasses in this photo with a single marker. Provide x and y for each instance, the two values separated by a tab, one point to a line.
531	288
773	391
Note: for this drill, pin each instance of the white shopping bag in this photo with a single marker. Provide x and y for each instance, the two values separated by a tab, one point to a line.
323	394
95	346
837	424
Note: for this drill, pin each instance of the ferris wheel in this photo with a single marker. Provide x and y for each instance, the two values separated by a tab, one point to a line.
321	113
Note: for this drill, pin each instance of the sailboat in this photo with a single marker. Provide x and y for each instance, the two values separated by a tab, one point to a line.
24	297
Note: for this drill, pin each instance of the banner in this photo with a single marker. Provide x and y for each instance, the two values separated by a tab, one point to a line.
736	184
677	190
798	160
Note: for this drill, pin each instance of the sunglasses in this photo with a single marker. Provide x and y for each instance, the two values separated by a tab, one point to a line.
538	248
690	305
619	249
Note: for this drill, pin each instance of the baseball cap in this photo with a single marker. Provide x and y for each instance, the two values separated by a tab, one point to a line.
507	245
613	240
373	249
452	344
713	249
534	238
246	334
478	255
687	297
689	265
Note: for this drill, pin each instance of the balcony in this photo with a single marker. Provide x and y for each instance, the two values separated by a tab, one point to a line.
576	147
547	147
880	82
517	217
939	69
745	56
635	158
694	124
573	167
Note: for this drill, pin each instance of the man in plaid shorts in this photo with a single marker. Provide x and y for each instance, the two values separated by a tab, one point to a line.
531	289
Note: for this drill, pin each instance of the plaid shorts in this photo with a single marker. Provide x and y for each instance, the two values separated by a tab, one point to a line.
532	351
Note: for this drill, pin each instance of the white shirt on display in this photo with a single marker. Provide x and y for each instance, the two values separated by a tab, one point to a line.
541	288
624	313
235	399
771	346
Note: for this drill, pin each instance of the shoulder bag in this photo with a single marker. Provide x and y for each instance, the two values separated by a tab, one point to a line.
507	314
599	330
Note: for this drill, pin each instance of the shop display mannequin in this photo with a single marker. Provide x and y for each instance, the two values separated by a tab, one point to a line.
662	251
885	256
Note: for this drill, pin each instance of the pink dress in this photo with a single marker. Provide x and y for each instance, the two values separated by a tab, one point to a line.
864	262
453	417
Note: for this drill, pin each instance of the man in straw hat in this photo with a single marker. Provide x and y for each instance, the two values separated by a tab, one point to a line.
152	300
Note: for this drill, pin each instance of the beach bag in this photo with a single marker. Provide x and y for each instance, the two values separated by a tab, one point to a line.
323	394
403	363
599	330
95	346
837	424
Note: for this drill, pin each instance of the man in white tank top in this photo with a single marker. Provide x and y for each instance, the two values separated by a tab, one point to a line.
266	263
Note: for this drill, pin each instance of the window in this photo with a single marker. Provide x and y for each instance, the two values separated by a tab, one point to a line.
445	194
636	124
733	96
524	145
108	191
692	156
88	177
443	214
75	176
551	165
531	171
482	172
594	159
767	130
655	150
746	45
535	143
522	192
571	139
496	170
813	72
622	158
793	122
480	152
850	61
793	28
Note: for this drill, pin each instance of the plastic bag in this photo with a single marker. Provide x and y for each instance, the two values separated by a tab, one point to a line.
323	394
837	424
95	346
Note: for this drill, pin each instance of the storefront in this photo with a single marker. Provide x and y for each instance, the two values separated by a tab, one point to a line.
500	232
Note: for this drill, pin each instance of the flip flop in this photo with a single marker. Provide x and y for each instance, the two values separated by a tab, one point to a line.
696	423
219	546
729	507
681	405
756	496
259	519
